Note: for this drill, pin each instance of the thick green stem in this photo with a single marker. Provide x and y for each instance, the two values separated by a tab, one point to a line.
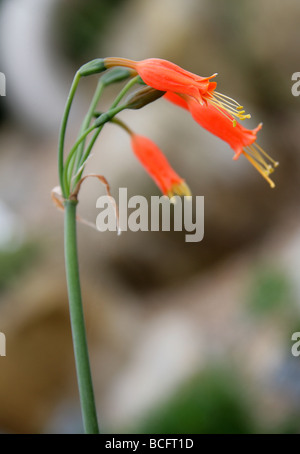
83	370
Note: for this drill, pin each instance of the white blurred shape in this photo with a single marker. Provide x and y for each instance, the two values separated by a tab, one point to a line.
35	91
11	228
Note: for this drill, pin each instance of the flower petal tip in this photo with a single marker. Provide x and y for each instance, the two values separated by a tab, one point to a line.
180	189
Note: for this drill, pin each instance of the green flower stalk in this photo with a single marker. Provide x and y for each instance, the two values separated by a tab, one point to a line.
70	171
85	385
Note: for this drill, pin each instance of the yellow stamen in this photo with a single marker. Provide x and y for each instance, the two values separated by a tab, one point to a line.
224	113
275	163
181	189
226	104
261	161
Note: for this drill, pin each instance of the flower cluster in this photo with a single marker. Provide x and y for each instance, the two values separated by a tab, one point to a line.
214	111
154	78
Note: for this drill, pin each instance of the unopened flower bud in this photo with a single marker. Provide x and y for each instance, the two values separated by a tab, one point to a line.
116	75
92	67
142	97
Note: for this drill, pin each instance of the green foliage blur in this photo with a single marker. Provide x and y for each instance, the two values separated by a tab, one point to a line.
80	28
211	402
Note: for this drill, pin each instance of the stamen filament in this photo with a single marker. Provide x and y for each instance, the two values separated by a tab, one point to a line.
221	95
275	163
256	155
224	113
230	109
260	170
227	104
232	102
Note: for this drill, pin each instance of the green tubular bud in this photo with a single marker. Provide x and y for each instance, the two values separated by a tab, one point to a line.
142	97
116	75
92	67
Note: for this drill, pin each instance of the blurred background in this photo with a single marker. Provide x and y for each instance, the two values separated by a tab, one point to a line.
184	337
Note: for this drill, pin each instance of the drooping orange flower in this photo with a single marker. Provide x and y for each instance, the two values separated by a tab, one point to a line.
166	76
156	164
240	139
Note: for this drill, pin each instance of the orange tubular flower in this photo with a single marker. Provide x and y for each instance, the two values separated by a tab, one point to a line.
155	163
166	76
240	139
